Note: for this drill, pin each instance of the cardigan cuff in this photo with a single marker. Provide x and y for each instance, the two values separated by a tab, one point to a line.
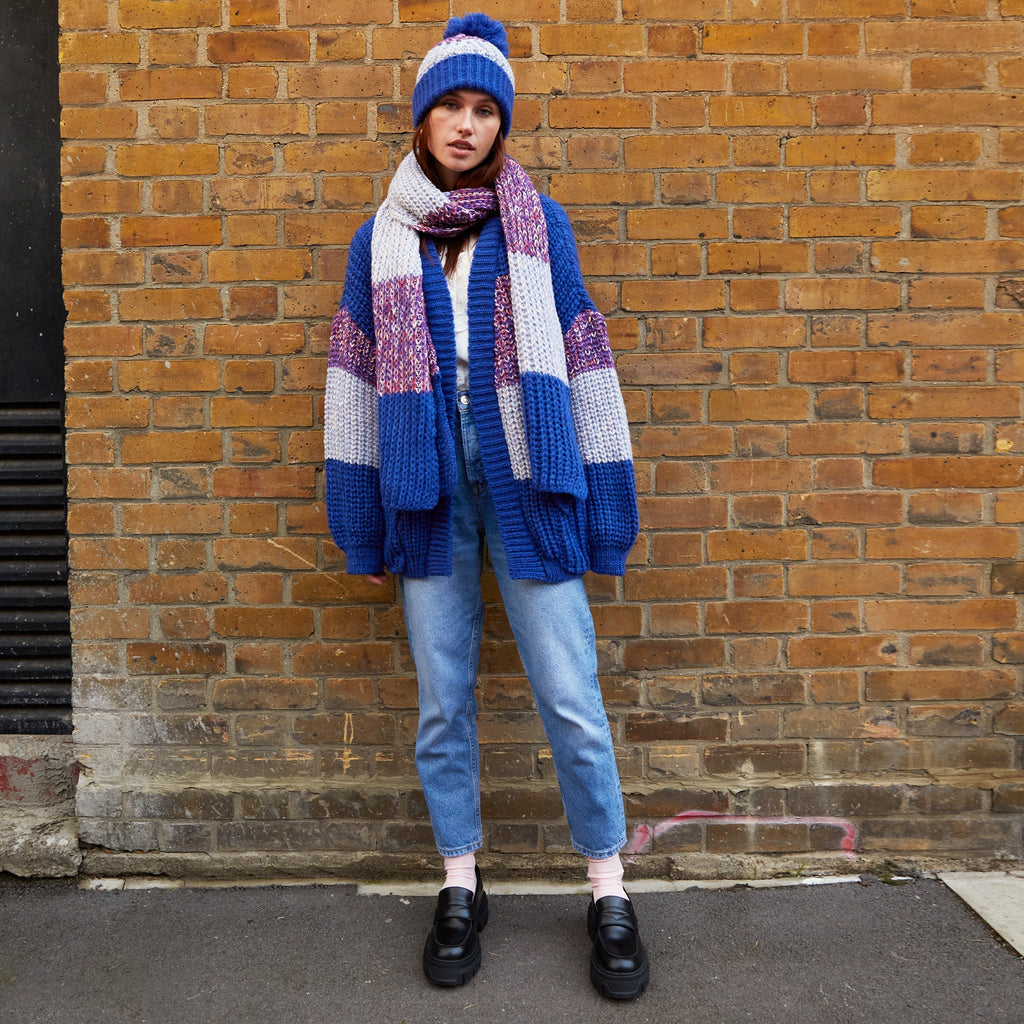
608	563
364	561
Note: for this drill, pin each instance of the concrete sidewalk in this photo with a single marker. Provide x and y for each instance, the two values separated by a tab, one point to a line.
854	951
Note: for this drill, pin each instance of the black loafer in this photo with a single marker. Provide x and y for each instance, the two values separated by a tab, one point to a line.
619	967
452	953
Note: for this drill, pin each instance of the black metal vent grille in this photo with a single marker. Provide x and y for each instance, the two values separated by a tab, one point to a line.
35	630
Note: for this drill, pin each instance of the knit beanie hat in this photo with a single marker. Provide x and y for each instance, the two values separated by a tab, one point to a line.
472	55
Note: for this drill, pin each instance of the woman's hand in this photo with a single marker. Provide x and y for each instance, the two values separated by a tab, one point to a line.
379	578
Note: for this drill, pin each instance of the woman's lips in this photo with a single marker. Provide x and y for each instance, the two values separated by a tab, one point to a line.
461	147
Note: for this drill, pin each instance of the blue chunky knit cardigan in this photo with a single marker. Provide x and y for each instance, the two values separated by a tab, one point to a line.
547	536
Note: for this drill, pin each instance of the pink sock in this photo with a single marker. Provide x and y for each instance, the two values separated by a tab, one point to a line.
606	877
460	871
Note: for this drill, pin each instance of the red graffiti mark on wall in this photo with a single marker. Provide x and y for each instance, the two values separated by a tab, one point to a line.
646	834
9	767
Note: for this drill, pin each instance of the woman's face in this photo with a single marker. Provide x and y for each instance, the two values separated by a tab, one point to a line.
461	129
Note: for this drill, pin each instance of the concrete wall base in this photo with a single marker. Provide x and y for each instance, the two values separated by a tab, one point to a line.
38	828
319	865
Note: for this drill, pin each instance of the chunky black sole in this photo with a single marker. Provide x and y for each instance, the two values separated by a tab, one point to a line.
615	985
450	973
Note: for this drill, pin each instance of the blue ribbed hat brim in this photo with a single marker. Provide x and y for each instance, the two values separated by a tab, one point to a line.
464	71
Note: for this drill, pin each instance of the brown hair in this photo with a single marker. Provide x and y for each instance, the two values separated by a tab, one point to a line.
484	175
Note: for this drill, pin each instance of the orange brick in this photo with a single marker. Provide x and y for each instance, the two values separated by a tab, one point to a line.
675	223
172	517
757	151
85	232
99	48
338	12
676	151
609	113
1011	222
603	188
758	257
937	148
169	13
842	293
251	193
752	295
813	221
169	375
671	41
948	108
263	339
751	111
672	295
255	12
170	231
762	187
342	81
680	112
756	76
833	439
942	37
833	39
277	411
944	257
747	38
144	161
257	118
103	268
948	292
258	47
177	196
170	304
840	150
80	87
943	365
939	402
245	83
347	44
593	40
877	74
845	367
754	332
175	122
90	123
341	118
984	329
310	157
252	229
171	83
949	222
171	446
756	545
77	160
1011	73
109	555
767	406
260	265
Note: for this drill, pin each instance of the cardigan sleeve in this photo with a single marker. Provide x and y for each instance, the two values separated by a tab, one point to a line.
351	440
599	414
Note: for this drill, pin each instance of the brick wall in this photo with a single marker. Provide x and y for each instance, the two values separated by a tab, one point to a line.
804	220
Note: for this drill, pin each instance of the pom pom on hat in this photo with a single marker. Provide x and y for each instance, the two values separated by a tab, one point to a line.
482	27
472	55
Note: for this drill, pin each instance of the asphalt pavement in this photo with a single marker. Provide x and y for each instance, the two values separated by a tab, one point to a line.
854	951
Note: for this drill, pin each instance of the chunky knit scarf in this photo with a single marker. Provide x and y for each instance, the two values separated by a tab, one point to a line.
530	362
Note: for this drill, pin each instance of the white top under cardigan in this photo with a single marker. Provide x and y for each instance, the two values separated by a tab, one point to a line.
458	286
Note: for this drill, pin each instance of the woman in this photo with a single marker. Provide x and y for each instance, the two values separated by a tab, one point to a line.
472	397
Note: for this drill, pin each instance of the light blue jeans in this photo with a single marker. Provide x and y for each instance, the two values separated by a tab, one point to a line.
554	632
